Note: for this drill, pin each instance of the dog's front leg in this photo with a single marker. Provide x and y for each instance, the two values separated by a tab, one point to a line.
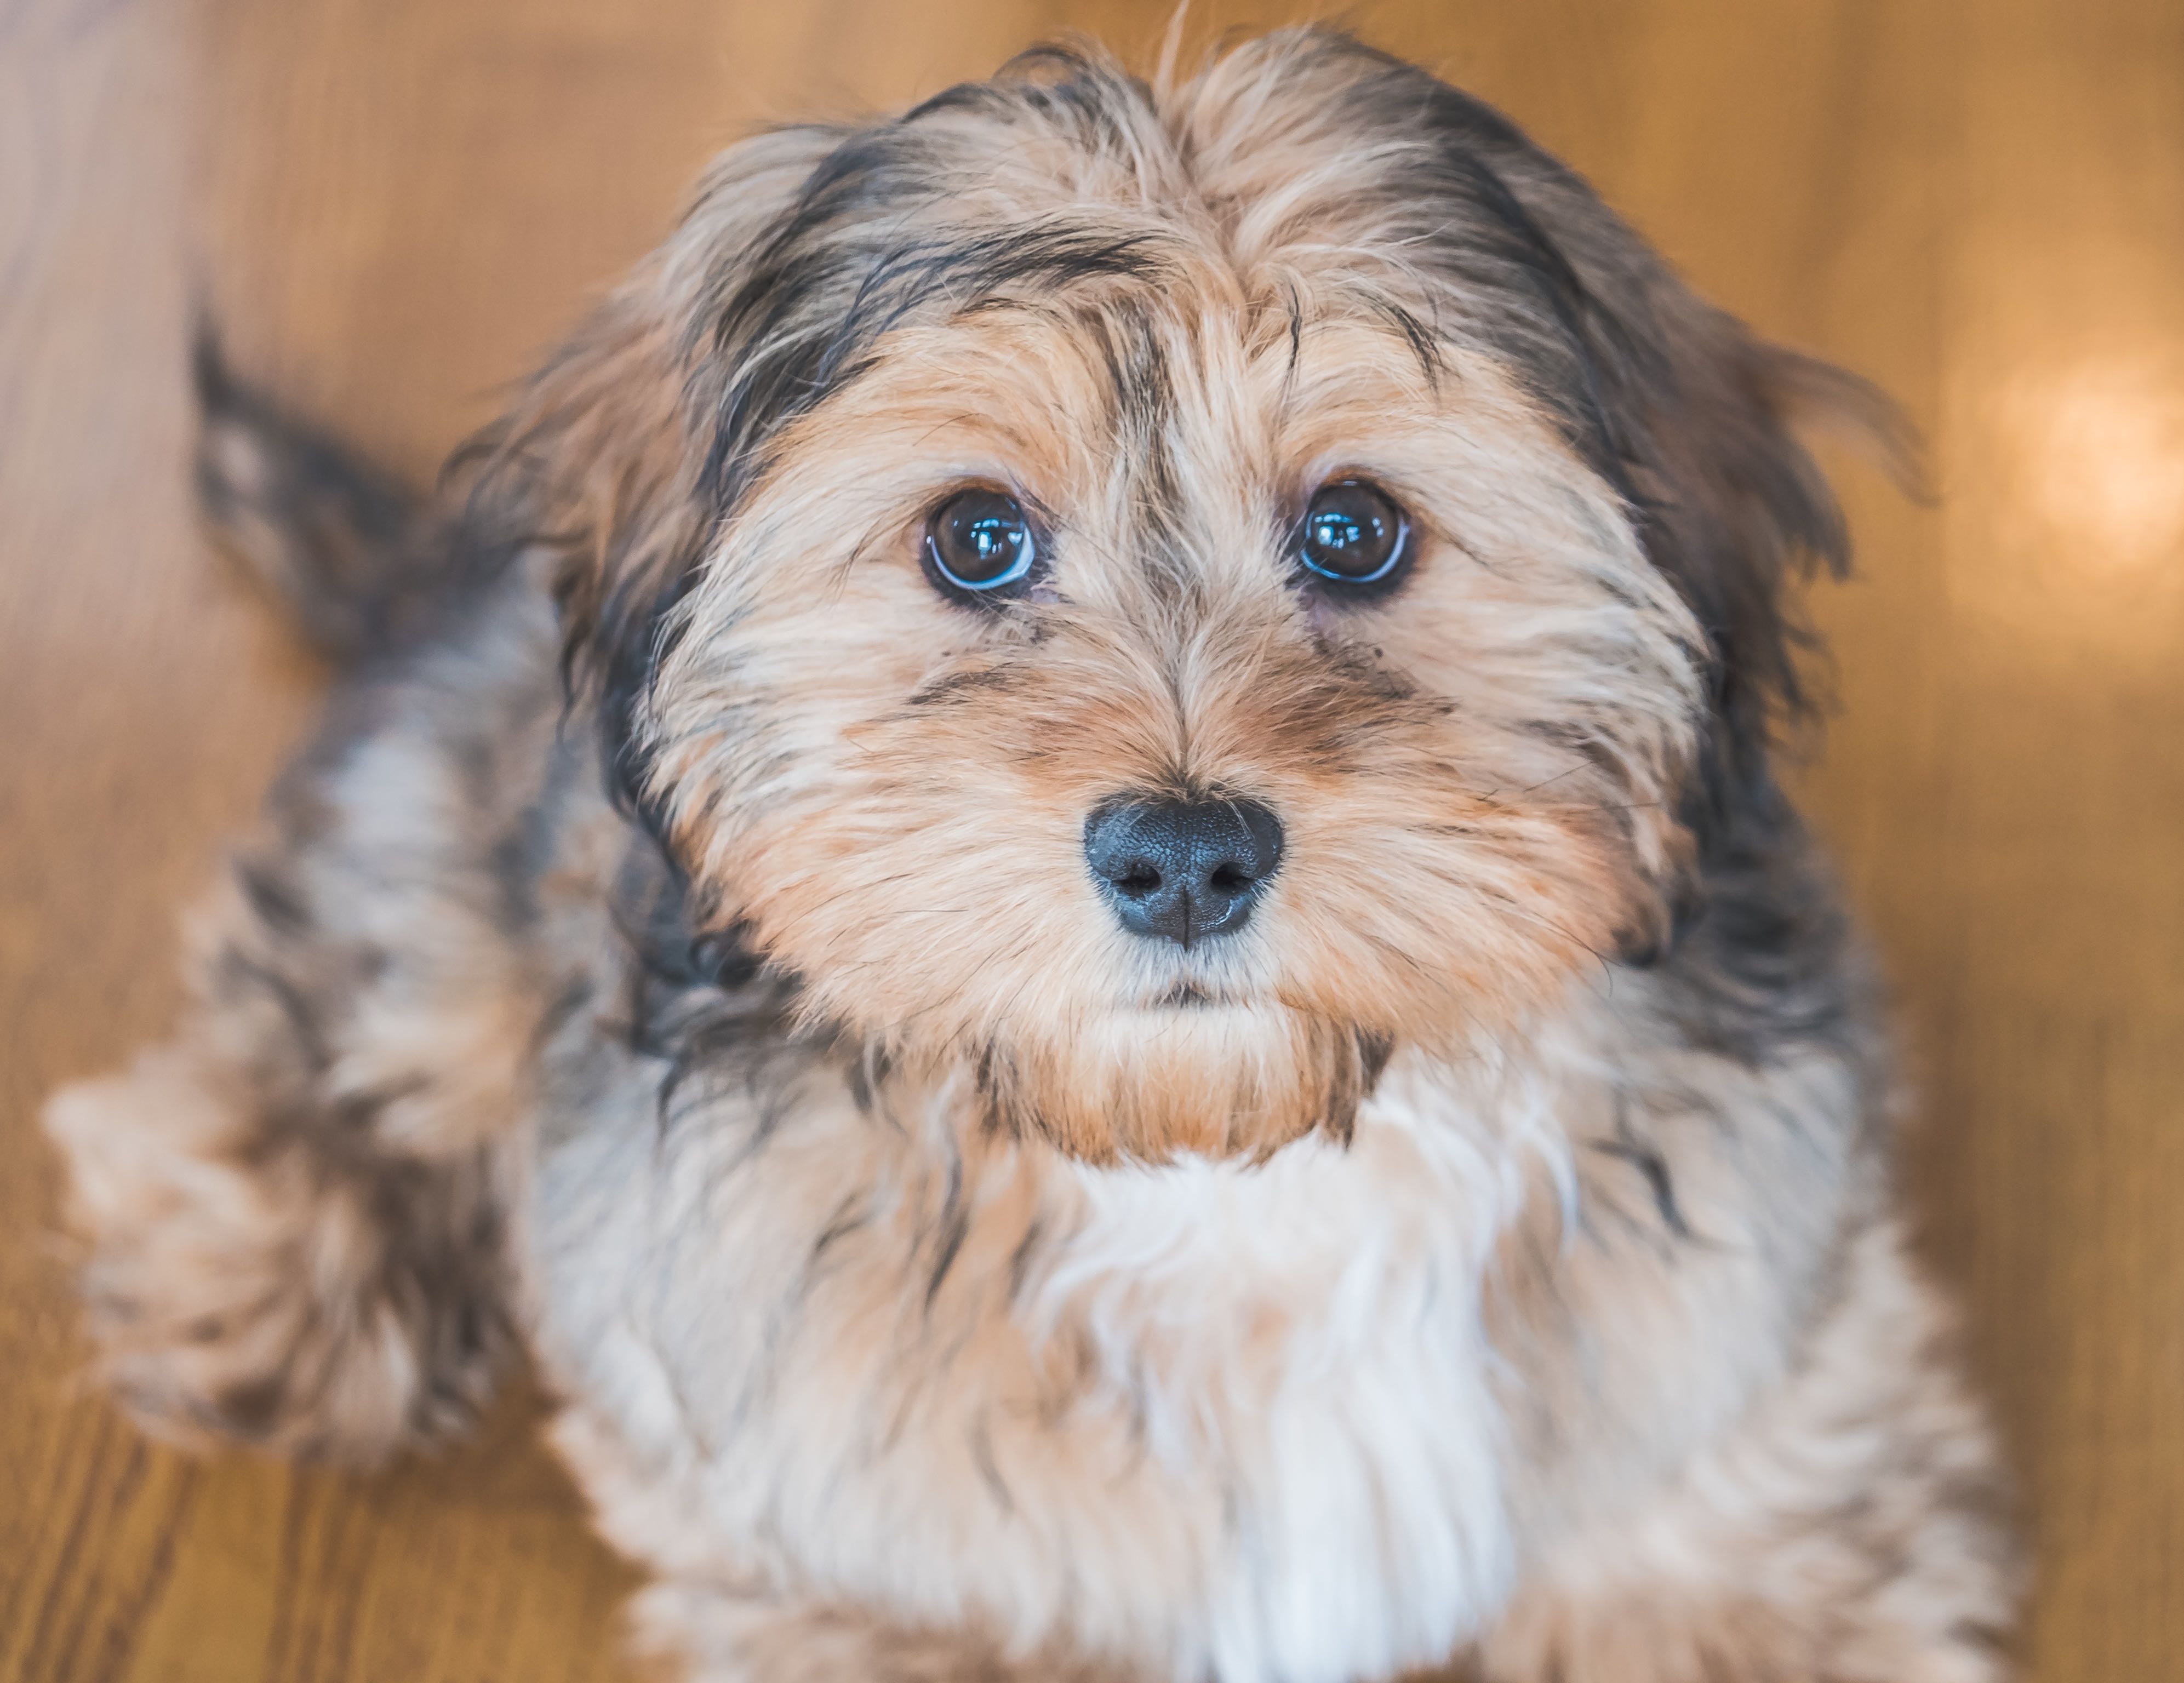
292	1211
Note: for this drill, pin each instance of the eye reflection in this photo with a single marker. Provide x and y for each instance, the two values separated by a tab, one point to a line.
1353	534
978	544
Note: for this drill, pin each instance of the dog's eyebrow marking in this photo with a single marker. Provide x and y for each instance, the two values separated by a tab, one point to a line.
1424	342
794	338
1293	309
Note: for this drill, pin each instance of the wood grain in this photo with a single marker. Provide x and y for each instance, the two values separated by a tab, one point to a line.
393	204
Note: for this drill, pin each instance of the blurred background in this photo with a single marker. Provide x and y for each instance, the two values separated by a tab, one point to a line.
393	206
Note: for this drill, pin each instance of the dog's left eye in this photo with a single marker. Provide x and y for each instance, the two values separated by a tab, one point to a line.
1353	534
978	544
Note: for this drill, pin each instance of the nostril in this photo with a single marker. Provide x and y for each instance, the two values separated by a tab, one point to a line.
1230	878
1137	881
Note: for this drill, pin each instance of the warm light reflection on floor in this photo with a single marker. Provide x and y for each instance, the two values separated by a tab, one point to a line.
2081	495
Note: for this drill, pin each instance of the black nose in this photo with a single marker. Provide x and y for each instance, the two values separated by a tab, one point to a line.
1183	869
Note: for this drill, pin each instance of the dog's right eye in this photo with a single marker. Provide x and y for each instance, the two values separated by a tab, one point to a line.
1354	537
978	544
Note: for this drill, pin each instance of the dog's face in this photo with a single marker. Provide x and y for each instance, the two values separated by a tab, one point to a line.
1153	600
1012	714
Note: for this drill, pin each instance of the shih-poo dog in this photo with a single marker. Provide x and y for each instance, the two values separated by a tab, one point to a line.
1060	870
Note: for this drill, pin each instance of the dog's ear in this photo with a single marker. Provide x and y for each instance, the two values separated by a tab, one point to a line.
607	457
1708	423
1698	422
1734	510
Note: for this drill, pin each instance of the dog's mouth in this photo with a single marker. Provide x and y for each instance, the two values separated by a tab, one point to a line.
1197	983
1195	996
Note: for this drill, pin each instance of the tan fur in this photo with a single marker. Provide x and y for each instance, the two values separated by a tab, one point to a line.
858	835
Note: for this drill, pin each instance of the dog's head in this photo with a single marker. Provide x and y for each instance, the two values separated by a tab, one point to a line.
1155	596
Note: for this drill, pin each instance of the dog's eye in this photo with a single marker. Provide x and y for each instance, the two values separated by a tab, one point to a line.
978	543
1354	534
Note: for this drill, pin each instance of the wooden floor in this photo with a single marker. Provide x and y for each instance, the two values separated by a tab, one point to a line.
395	203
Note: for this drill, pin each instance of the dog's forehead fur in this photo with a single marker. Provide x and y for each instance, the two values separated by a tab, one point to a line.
1298	180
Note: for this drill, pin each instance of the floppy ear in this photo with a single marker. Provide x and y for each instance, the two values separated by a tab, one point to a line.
1697	422
606	458
1731	506
1735	512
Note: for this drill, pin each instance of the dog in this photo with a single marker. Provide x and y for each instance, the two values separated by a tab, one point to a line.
1061	871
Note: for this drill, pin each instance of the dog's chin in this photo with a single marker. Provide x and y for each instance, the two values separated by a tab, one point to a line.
1190	1076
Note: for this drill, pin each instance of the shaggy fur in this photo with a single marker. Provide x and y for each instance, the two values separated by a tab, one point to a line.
679	951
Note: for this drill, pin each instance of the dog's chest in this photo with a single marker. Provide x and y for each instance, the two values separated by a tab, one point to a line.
1208	1418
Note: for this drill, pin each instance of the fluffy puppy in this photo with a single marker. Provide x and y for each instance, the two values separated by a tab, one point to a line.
1062	872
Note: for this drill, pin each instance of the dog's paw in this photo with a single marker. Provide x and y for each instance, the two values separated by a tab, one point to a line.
246	1278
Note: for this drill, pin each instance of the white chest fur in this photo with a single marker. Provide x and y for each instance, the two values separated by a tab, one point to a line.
1210	1418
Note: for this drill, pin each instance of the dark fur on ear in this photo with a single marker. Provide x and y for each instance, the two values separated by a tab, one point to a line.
1689	414
601	461
594	464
